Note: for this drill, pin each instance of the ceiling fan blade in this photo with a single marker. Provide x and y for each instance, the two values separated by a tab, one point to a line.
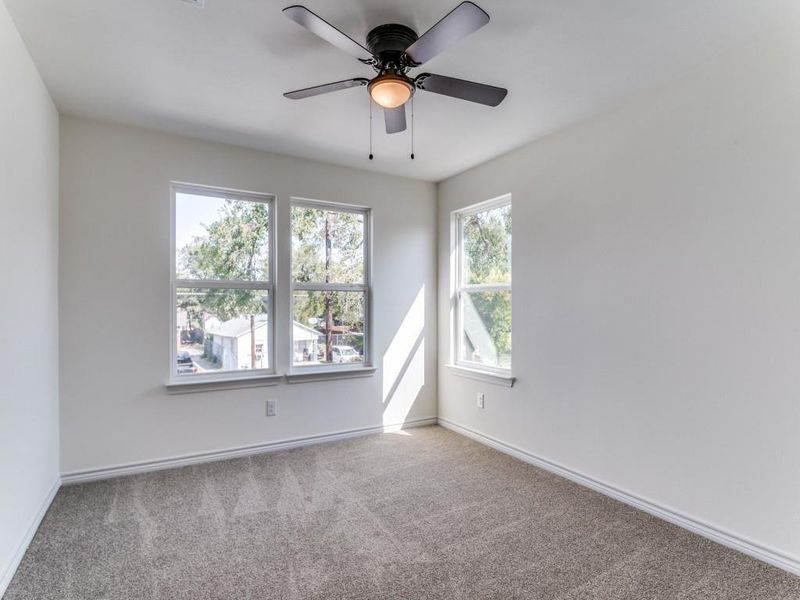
458	23
395	119
462	89
316	24
326	88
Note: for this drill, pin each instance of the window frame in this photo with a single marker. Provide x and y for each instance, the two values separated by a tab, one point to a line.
458	218
269	286
365	288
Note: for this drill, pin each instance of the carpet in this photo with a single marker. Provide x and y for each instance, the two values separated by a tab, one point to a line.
420	514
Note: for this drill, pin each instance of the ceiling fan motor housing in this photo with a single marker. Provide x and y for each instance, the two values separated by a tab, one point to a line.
389	42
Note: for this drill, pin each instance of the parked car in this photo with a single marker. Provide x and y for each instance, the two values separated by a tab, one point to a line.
185	363
345	354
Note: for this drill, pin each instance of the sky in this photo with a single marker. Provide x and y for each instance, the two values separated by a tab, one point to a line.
191	213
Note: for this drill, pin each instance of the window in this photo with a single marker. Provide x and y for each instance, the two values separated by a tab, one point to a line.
483	286
222	284
330	284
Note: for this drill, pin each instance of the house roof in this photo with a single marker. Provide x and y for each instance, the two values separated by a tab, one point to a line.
301	332
239	326
336	328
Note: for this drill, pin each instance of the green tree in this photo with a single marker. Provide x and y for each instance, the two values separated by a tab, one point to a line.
487	248
328	247
233	247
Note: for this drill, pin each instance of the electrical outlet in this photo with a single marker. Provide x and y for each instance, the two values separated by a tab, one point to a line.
480	399
272	408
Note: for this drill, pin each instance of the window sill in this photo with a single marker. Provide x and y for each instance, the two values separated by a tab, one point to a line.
325	374
486	376
211	385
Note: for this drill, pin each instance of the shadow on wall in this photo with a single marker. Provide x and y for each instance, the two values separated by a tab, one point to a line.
404	364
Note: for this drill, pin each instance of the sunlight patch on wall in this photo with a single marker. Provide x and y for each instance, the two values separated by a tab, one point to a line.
408	387
402	346
404	363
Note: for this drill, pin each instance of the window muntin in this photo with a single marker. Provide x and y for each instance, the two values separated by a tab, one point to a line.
222	290
483	286
330	284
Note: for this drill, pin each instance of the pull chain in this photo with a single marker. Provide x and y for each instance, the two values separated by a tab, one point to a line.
370	126
412	127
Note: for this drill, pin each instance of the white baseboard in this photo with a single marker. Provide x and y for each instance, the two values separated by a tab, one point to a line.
726	538
238	452
25	541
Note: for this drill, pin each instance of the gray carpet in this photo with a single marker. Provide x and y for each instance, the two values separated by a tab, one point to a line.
421	514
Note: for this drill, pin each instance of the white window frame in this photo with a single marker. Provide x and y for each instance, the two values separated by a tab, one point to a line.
365	287
460	287
268	286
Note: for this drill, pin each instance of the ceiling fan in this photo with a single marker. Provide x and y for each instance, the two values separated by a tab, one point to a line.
392	50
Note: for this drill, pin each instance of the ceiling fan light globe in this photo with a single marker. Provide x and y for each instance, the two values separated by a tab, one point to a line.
390	91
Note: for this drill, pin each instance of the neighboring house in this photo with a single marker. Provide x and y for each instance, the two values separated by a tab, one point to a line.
192	331
305	343
229	343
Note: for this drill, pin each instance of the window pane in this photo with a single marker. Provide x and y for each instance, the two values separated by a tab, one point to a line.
328	327
221	239
327	246
221	330
487	246
486	318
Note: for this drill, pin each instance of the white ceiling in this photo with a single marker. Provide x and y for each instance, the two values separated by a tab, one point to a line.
218	72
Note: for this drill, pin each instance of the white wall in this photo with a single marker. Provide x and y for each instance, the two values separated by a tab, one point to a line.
657	296
29	294
115	300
